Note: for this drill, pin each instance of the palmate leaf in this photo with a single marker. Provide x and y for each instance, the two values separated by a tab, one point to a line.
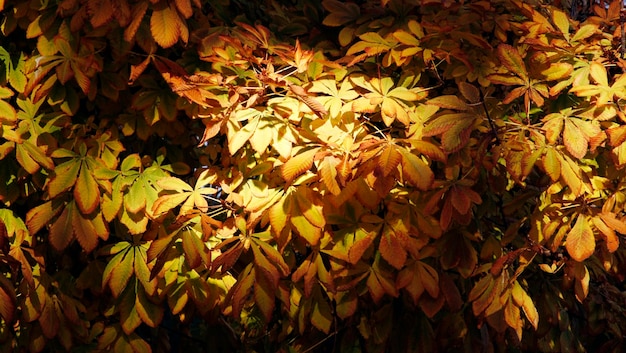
409	279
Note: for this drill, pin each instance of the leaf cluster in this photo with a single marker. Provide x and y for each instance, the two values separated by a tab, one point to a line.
309	176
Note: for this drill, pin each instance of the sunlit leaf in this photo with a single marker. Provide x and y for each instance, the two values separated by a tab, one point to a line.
580	241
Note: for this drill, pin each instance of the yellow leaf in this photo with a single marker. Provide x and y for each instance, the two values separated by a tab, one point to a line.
512	314
610	238
328	173
65	176
574	140
7	113
174	184
321	313
512	60
264	296
561	20
612	221
557	71
429	149
581	286
305	229
448	102
150	313
530	310
40	216
164	25
551	164
121	269
584	32
279	213
580	242
416	171
310	206
86	192
598	72
298	164
570	172
242	136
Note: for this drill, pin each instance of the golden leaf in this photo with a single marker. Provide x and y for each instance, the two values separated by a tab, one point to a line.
298	164
580	242
164	25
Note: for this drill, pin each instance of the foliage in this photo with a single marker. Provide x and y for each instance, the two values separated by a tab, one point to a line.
311	176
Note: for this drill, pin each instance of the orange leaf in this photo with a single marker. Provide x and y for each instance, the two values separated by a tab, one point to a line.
391	248
60	231
612	221
7	300
611	239
139	10
416	171
278	214
551	164
570	172
164	25
389	159
298	164
84	231
580	242
574	140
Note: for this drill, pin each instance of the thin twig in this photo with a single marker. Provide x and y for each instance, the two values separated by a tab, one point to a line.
491	123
